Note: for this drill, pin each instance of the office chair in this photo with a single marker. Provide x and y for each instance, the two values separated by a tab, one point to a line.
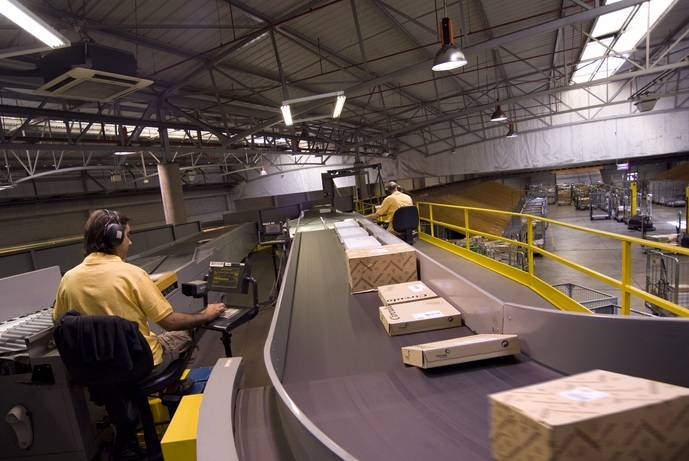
405	222
111	357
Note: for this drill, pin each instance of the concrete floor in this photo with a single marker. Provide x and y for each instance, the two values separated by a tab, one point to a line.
598	253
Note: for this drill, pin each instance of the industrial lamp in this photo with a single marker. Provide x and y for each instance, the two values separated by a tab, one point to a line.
498	115
449	56
511	133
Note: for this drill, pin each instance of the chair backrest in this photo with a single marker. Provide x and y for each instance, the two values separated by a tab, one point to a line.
102	349
405	218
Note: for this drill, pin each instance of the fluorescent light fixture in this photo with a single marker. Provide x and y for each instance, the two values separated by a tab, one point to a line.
286	114
263	172
18	14
449	56
123	153
623	166
339	104
6	186
498	115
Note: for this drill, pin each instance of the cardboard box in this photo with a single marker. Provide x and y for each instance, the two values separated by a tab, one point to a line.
346	223
404	293
460	350
352	243
597	415
367	269
426	315
347	232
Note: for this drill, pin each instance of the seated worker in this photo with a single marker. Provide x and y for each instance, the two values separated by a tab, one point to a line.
395	199
103	284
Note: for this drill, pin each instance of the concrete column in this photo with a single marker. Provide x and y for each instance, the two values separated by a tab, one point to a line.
171	192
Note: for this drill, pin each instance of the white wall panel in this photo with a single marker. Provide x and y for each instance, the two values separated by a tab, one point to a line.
639	136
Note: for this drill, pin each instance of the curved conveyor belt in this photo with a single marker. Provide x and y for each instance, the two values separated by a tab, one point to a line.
346	374
343	392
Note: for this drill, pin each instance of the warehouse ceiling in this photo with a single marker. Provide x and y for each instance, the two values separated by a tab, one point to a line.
221	69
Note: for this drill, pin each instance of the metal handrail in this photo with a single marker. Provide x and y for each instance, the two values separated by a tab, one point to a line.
530	279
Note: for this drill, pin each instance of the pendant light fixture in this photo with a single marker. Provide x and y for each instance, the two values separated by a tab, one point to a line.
498	114
511	133
449	56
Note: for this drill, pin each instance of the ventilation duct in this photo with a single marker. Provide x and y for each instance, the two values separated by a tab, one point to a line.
89	72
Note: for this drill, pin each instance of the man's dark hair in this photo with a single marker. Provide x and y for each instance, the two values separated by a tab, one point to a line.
391	187
95	239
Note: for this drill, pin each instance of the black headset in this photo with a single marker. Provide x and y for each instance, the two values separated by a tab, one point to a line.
114	231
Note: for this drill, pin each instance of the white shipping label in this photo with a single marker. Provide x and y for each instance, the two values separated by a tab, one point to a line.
428	315
416	288
584	394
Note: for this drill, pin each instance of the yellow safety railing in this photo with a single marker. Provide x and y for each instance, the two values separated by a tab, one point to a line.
528	278
367	205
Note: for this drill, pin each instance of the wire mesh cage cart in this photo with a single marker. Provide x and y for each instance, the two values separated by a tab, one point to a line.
667	276
596	301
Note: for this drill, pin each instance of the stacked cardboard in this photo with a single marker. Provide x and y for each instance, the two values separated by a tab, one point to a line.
597	415
370	268
460	350
489	194
347	232
357	242
413	317
679	172
346	223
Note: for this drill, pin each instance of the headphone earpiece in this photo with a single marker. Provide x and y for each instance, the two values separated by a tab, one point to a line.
114	232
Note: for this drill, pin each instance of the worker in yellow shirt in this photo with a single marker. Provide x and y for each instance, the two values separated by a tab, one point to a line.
395	200
103	284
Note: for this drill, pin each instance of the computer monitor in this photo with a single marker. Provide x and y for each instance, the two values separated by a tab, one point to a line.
227	277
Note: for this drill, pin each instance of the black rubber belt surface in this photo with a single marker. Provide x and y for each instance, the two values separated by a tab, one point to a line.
346	374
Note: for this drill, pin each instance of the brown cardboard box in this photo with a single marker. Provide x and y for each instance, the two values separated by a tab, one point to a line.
426	315
597	415
404	293
372	267
460	350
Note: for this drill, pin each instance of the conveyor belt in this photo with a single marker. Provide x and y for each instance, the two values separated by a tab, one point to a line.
346	374
175	255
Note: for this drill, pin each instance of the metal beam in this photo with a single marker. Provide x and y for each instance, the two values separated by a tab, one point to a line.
486	107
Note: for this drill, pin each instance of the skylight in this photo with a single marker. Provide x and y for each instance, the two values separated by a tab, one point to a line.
615	35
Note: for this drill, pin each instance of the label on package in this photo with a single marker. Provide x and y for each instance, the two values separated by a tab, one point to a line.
427	315
416	288
584	394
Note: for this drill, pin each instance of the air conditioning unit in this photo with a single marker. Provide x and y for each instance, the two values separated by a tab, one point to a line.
92	85
89	72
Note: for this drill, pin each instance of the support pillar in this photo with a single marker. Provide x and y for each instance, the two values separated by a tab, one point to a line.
171	192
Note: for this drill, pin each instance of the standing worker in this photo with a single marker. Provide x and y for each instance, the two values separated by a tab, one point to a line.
395	200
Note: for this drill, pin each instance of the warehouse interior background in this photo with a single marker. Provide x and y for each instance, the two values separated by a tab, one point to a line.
220	71
197	119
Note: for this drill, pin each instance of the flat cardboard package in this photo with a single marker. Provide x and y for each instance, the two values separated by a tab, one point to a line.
460	350
368	269
352	243
404	293
346	223
347	232
597	415
425	315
